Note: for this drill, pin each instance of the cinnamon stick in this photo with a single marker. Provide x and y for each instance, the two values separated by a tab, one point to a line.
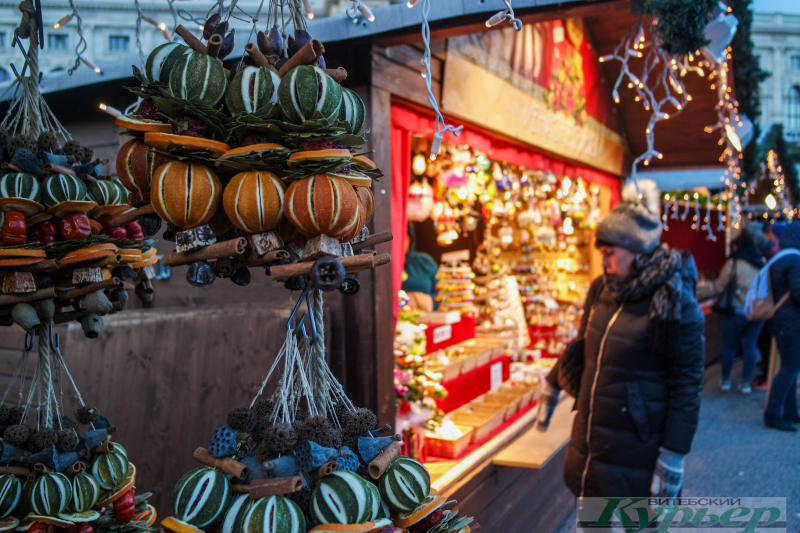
15	471
11	168
256	55
338	74
262	488
379	465
110	283
372	240
258	260
191	41
212	251
214	45
223	267
69	316
41	294
354	263
105	447
50	168
305	56
382	259
227	465
126	218
75	468
325	470
241	489
48	265
42	468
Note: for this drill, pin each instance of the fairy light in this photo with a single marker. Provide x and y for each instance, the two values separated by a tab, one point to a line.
309	11
114	112
63	22
91	65
506	14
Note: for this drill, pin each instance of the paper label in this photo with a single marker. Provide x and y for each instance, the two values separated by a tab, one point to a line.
442	333
496	375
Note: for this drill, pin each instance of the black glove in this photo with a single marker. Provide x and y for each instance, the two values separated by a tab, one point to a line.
548	399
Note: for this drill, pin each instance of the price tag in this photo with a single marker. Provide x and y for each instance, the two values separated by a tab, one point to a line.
442	333
496	375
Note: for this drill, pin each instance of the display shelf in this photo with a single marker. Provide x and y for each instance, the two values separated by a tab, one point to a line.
472	384
441	336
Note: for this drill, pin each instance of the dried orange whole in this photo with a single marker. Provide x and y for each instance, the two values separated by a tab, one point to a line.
253	201
322	205
185	194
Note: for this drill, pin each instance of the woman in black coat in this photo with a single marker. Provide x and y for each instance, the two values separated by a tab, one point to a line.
781	411
643	358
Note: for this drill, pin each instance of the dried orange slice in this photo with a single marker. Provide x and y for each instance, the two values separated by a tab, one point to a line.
346	528
149	253
8	523
51	520
85	516
21	252
380	525
20	261
97	228
26	207
35	219
137	123
364	162
317	154
431	503
102	247
252	148
146	262
65	208
179	526
102	210
357	179
163	140
25	524
131	258
83	258
129	251
148	515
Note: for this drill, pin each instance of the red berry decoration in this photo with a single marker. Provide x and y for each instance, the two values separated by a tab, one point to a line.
74	226
15	229
124	508
134	231
320	144
43	233
110	229
85	527
37	527
150	110
193	127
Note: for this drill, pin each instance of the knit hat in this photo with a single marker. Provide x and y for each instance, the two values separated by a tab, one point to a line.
635	222
791	236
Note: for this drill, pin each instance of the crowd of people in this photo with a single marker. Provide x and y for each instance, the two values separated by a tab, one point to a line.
637	365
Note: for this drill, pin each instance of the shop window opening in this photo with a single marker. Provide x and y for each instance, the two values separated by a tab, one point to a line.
58	41
119	43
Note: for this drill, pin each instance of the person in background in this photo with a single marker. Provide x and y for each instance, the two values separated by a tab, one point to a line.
419	276
642	330
772	232
730	288
781	411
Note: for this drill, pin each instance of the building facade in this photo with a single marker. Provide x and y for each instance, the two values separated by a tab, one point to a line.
777	40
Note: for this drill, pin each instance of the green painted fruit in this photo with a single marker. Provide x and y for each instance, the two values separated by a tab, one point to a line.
352	111
110	469
10	494
63	188
85	493
274	514
49	494
201	497
306	90
341	498
405	484
106	192
251	90
20	185
376	502
120	449
236	513
198	78
161	60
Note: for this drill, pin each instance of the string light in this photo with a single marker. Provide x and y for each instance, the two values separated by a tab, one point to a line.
91	65
506	14
110	110
63	22
309	11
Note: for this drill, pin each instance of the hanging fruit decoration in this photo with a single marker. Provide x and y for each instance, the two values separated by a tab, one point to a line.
276	140
58	243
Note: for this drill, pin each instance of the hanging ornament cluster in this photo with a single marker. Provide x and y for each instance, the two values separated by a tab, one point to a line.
253	167
306	459
61	241
53	473
694	202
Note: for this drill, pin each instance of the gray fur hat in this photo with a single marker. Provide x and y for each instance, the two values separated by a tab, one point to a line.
635	222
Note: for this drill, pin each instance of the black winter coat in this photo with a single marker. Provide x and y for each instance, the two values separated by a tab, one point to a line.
633	399
785	277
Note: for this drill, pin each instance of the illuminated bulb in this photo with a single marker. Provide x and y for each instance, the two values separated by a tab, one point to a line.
309	11
637	98
110	110
462	193
412	3
91	65
63	22
566	184
419	165
771	202
366	12
647	130
568	227
630	85
496	19
201	27
661	156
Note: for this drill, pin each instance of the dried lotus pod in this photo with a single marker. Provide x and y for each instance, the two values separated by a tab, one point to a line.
92	325
98	303
25	315
87	414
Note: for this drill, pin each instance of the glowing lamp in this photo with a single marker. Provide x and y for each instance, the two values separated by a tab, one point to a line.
771	202
741	133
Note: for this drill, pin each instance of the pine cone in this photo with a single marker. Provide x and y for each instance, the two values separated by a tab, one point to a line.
241	419
42	439
17	435
67	440
86	414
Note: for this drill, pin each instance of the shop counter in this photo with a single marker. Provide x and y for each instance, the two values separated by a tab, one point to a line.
513	482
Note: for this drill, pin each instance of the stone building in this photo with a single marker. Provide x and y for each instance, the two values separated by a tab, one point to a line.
776	35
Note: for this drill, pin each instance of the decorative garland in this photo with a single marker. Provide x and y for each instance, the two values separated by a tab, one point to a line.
774	142
681	23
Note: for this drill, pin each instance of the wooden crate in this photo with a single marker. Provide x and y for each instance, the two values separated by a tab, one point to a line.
449	448
483	423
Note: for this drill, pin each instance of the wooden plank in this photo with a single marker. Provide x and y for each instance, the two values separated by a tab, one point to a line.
533	449
411	57
400	80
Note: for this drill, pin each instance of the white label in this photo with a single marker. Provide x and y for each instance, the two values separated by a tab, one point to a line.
496	375
442	333
550	303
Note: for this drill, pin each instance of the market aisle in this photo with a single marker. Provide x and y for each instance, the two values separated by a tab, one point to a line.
735	455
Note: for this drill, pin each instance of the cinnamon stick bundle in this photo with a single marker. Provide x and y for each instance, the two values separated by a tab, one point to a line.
378	466
212	251
338	74
48	265
105	447
227	465
50	168
214	45
325	470
262	488
256	55
41	294
354	263
90	288
191	41
42	468
75	468
258	260
15	471
305	56
372	240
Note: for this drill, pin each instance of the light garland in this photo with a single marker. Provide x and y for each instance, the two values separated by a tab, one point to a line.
80	48
779	182
506	14
660	75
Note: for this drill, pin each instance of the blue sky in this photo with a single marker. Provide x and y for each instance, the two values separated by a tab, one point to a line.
776	6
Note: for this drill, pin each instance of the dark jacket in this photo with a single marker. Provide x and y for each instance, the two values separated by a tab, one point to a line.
634	398
785	277
419	271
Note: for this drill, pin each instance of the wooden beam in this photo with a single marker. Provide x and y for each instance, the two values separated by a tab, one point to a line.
400	80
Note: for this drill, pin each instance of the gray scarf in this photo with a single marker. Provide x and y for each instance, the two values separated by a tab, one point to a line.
657	274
